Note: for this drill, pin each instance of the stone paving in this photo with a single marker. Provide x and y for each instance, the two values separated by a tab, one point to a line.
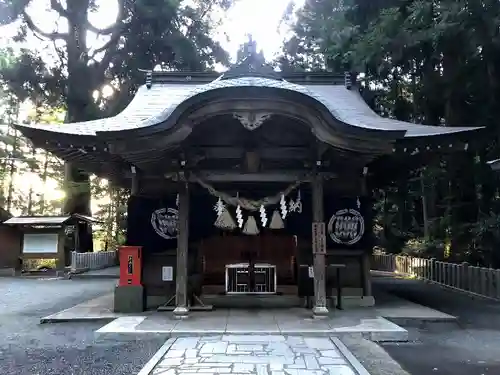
288	322
257	355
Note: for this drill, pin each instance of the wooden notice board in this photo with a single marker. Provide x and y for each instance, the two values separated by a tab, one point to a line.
318	238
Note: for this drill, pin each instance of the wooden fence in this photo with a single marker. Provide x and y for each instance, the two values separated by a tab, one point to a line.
464	277
92	261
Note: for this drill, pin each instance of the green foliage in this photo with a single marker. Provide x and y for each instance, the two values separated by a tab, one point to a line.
427	62
171	34
419	247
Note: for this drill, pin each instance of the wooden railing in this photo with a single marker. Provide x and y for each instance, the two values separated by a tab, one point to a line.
464	277
92	261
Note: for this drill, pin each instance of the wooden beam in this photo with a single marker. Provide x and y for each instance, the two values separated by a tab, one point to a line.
235	176
284	176
230	152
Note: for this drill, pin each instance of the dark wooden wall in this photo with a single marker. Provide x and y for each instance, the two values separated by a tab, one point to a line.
275	249
10	247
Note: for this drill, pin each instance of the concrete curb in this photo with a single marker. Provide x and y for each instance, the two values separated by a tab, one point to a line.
379	337
422	322
351	359
83	276
103	319
156	358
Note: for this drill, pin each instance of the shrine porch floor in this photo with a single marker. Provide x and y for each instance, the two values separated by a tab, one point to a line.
378	323
288	322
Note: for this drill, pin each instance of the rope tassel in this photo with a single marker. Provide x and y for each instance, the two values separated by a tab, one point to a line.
276	221
250	227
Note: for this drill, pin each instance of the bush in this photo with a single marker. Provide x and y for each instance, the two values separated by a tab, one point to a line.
36	264
419	247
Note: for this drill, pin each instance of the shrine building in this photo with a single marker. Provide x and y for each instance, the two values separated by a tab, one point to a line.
250	183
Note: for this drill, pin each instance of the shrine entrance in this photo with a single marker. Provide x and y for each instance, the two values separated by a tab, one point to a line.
263	264
255	140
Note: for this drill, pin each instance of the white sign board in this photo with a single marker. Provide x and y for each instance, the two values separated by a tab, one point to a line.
167	273
311	272
40	243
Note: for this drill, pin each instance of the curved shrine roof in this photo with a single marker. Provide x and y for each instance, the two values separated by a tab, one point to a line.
160	102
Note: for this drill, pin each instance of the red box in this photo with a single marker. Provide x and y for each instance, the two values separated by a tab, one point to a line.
130	265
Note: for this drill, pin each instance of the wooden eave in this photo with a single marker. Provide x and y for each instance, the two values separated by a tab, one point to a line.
318	77
27	221
156	121
86	152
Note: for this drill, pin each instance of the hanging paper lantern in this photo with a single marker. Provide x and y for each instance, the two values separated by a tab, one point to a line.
239	216
225	221
276	221
263	217
284	210
250	227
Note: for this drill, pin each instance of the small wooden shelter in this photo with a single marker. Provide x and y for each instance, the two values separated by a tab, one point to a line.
9	245
249	181
45	237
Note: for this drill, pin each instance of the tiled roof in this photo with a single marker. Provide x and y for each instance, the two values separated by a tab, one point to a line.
154	105
46	220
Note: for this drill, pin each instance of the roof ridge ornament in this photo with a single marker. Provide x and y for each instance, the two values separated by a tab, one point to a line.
149	78
252	65
348	80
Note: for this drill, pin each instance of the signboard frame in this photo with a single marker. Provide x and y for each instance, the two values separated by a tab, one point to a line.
319	238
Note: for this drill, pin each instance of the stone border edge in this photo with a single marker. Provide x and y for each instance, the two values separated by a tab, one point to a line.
353	361
151	364
49	320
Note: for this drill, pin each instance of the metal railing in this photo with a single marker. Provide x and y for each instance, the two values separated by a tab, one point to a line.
238	279
92	261
480	281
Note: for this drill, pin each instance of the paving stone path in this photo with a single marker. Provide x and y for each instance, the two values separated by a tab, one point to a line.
257	355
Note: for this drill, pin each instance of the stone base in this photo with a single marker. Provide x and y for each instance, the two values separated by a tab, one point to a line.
129	299
181	312
320	312
353	301
7	272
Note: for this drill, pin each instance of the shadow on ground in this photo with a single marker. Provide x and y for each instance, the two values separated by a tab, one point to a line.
470	348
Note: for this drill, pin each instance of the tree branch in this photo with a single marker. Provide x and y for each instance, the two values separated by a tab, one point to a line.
106	31
113	28
57	6
59	53
37	30
113	40
112	45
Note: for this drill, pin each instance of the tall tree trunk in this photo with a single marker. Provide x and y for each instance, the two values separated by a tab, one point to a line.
79	103
31	192
44	181
13	117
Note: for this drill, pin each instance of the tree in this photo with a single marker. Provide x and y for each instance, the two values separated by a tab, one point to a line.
146	33
421	61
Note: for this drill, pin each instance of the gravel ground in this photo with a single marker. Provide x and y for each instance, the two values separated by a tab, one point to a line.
26	347
470	348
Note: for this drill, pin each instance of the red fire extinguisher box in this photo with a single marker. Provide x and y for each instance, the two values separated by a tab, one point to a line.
130	265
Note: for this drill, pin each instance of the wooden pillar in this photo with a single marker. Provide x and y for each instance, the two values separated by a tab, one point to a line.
61	254
424	206
319	249
135	186
367	280
181	298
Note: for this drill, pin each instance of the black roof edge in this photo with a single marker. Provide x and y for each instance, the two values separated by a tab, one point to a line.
315	77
